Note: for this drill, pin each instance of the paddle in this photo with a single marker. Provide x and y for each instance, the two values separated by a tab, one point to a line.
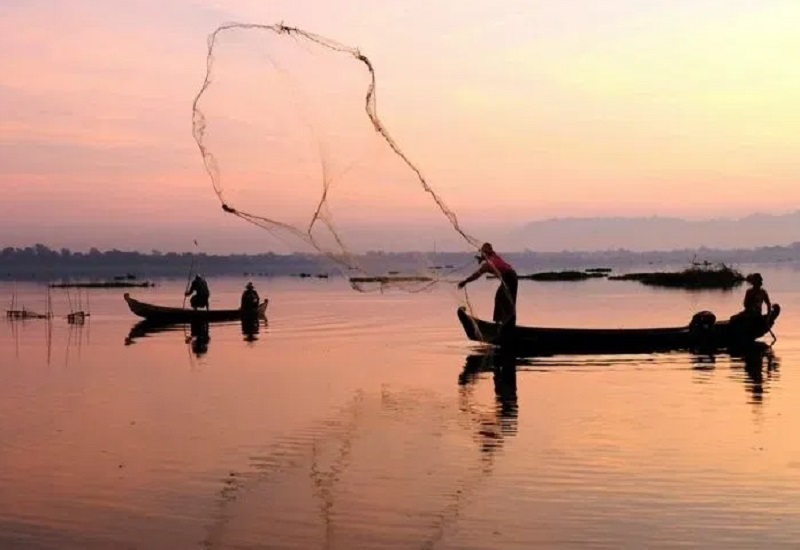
189	276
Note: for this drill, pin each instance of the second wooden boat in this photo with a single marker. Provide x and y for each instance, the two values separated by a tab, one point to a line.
163	314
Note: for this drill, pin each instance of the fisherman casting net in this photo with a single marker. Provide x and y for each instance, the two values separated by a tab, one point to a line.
288	127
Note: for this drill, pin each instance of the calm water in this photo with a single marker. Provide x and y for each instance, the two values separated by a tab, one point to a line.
368	421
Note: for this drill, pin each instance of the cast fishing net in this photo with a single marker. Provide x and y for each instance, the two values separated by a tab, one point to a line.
288	128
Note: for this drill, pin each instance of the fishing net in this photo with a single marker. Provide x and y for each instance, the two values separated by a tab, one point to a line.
288	128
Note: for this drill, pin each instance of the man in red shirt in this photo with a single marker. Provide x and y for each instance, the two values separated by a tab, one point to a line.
505	299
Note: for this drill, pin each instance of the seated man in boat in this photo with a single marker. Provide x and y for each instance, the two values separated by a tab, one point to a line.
250	298
505	299
201	293
751	318
756	296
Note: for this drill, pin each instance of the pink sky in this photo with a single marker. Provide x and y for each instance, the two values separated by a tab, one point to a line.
515	111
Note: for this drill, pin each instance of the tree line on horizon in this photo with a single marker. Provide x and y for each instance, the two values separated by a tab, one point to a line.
41	262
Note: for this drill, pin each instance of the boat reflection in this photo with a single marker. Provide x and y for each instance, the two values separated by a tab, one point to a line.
143	329
760	366
198	335
704	361
755	365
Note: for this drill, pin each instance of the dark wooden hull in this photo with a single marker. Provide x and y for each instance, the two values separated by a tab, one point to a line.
547	341
163	315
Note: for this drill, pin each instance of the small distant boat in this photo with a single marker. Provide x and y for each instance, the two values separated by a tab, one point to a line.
162	314
704	332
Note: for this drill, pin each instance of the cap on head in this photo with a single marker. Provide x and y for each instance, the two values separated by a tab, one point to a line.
249	285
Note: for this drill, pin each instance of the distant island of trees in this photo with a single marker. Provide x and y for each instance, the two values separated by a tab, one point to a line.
39	262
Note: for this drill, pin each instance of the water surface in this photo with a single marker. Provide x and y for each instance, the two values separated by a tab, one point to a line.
368	421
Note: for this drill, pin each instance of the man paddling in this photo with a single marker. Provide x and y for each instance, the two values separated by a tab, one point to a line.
505	299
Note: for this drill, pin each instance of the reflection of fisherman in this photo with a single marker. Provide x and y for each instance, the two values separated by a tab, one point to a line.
250	328
505	299
200	338
201	294
250	298
503	422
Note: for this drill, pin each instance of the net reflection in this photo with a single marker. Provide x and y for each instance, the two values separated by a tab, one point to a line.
396	466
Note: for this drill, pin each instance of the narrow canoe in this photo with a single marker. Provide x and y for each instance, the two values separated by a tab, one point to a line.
702	333
162	314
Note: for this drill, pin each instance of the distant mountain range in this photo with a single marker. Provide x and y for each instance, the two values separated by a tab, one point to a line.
511	234
655	233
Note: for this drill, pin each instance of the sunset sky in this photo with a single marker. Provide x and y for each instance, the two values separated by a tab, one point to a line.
515	111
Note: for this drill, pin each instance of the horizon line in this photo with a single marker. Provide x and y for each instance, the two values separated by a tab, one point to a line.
158	253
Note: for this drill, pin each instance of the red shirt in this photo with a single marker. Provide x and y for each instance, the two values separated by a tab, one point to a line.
498	264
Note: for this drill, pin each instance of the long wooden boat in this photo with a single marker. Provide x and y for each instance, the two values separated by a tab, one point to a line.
162	314
703	332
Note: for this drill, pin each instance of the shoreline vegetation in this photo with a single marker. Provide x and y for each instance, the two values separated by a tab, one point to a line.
567	275
104	284
696	277
116	267
699	276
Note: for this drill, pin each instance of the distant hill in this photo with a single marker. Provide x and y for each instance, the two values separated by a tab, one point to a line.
656	233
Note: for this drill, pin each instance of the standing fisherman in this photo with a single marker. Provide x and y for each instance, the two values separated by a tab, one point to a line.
505	299
250	299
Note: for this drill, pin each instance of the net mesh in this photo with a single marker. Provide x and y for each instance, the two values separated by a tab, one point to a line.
288	128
